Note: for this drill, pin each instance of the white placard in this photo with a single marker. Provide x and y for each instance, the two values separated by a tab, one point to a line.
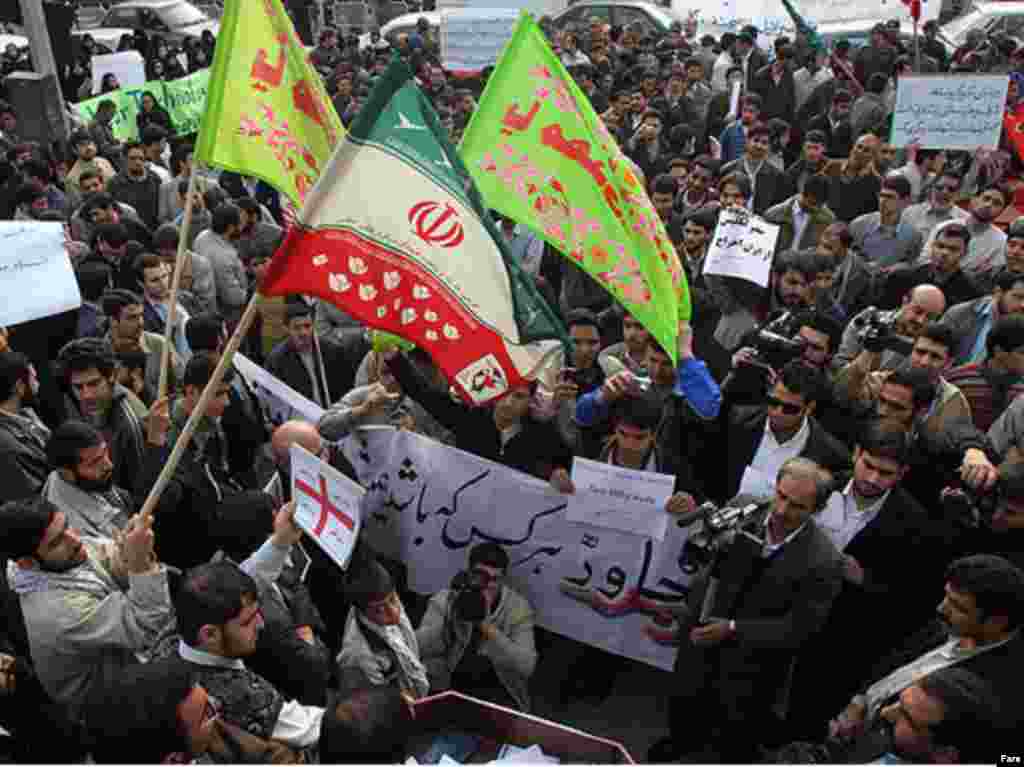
621	499
428	504
36	276
129	66
950	111
280	401
743	246
327	505
473	38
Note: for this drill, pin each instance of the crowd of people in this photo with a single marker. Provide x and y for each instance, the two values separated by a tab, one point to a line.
865	404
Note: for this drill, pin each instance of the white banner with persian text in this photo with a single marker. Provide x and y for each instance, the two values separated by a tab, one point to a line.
36	276
949	111
428	505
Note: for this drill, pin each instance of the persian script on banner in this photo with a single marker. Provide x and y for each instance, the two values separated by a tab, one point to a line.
268	114
327	505
541	156
743	246
395	235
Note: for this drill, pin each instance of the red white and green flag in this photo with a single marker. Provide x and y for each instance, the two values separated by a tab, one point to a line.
395	234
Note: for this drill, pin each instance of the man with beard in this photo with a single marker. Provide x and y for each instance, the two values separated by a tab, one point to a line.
986	252
663	195
947	253
317	368
90	604
874	522
137	185
81	484
127	333
802	217
881	237
793	281
85	146
257	233
87	366
218	245
23	436
769	183
922	305
978	631
698	186
855	182
811	162
994	382
940	206
973	321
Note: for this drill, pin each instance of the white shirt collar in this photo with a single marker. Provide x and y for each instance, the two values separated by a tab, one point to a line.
801	434
203	658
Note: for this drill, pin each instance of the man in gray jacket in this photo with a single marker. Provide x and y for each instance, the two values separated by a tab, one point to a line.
217	245
23	436
91	605
479	640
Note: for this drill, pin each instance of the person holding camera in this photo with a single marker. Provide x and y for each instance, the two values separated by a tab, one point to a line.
750	613
889	334
991	384
477	637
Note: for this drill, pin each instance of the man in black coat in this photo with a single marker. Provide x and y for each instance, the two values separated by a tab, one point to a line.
835	124
317	368
775	587
770	184
759	438
894	556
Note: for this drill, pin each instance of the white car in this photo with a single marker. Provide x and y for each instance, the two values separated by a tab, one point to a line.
403	24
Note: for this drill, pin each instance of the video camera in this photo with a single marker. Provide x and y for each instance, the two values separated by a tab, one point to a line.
877	332
969	508
468	599
717	527
777	343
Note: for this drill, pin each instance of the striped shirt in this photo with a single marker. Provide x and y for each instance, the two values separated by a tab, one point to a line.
983	391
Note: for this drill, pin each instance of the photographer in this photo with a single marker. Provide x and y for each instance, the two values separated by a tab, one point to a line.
808	335
477	637
993	519
889	334
991	384
775	583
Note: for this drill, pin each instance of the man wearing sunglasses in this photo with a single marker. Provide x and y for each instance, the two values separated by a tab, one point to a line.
940	206
491	658
763	437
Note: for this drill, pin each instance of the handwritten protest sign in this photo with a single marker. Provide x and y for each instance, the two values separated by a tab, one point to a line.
327	505
429	504
949	111
472	38
621	499
280	401
128	66
184	99
36	276
743	246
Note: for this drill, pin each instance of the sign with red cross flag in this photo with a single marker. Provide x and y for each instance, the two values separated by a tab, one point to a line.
327	505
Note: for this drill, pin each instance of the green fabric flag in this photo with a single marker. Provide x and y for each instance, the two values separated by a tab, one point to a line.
540	155
808	31
184	99
267	113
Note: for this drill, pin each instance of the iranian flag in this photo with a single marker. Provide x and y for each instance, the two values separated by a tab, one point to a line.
395	234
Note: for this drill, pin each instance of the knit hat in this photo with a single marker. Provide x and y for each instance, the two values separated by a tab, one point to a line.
368	582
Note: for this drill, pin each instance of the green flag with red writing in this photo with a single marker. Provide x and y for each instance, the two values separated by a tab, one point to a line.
267	112
540	155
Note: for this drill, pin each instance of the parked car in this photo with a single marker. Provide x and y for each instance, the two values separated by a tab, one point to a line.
988	17
404	24
173	19
652	18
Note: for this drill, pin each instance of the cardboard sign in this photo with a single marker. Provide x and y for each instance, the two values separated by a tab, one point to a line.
743	246
950	111
36	276
327	505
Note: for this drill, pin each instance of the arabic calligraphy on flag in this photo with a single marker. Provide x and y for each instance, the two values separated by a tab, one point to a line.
540	155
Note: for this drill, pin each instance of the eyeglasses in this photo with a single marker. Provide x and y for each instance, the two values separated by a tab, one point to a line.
787	407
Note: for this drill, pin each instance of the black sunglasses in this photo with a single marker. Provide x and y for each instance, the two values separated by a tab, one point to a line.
787	407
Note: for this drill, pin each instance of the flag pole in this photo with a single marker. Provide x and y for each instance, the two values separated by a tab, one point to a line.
186	225
200	409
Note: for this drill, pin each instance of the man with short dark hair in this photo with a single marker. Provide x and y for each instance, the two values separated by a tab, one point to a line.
23	436
137	185
733	138
881	237
90	605
834	125
948	250
811	162
940	206
873	521
487	652
972	321
770	184
802	217
81	484
991	384
127	333
88	366
218	245
986	251
155	278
